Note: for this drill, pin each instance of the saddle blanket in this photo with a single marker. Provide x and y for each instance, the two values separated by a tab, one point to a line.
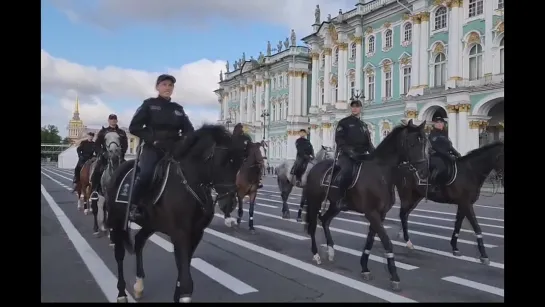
356	168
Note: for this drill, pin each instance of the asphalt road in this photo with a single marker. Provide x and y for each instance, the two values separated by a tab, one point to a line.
274	265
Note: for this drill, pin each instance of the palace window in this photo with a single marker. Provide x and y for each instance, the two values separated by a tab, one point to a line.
273	85
388	84
371	87
273	112
501	56
286	110
371	44
440	70
476	62
280	82
500	4
441	16
408	32
335	93
353	51
280	111
322	95
476	7
352	87
388	39
406	79
336	60
323	60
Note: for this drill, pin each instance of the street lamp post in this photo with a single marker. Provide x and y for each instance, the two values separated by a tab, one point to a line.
264	114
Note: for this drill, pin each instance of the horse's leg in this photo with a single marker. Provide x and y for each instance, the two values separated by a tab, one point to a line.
457	226
252	197
364	259
285	193
182	254
301	206
375	222
119	252
311	223
94	209
139	241
406	207
240	206
467	209
326	221
86	193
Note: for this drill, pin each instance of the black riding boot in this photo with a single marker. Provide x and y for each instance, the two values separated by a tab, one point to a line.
135	211
343	188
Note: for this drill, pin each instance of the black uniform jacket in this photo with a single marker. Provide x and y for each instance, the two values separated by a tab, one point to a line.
159	119
100	147
304	148
352	135
86	149
441	143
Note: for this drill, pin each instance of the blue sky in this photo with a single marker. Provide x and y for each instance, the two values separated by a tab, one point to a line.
111	63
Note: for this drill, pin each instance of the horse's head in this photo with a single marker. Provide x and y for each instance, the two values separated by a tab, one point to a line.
254	153
112	141
211	148
407	143
325	153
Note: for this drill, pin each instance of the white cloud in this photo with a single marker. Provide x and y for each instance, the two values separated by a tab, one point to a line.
111	14
95	86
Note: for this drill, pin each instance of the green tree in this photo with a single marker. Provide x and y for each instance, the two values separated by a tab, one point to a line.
66	140
50	135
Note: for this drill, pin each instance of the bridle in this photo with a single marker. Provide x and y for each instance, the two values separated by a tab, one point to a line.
411	165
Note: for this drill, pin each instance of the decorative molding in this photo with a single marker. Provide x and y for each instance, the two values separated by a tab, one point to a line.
451	108
464	107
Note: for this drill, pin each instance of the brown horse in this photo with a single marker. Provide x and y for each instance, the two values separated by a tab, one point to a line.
247	183
83	187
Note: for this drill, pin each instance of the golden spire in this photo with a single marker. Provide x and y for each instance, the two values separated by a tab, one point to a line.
77	104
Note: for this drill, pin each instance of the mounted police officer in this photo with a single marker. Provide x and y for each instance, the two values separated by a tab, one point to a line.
305	152
85	152
240	143
159	122
100	149
442	147
353	142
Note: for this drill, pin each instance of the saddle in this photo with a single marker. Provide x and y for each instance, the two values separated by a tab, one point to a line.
300	166
333	172
447	176
155	189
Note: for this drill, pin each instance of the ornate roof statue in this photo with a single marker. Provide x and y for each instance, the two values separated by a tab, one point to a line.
317	14
293	38
227	66
279	46
269	48
286	43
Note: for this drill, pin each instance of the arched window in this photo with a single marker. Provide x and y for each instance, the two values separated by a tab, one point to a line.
388	39
371	44
476	62
335	93
336	59
440	69
408	32
501	56
286	110
281	111
370	87
388	84
353	51
476	8
273	107
441	16
406	79
322	95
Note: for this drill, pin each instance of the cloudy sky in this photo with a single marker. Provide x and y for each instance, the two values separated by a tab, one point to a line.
109	52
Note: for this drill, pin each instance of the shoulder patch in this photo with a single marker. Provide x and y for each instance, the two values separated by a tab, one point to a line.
339	128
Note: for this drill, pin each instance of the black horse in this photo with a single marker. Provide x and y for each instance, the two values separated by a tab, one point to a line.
460	184
180	203
371	192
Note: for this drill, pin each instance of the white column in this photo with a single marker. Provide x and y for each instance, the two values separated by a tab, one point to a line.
314	95
267	84
298	93
315	138
415	72
359	62
454	44
327	140
488	25
249	90
327	72
241	109
304	104
259	89
473	134
453	124
341	71
291	93
424	46
463	127
292	137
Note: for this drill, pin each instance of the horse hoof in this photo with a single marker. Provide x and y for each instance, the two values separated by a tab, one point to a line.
316	258
367	276
395	286
485	261
96	234
122	299
286	215
299	220
456	253
239	221
185	299
86	211
410	245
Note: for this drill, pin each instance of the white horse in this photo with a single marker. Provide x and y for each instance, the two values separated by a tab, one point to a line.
286	181
112	140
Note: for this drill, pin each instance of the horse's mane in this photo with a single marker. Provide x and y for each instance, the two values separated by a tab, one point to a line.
480	150
203	138
382	146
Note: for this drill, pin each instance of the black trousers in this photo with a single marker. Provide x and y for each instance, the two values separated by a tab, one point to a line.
146	166
298	169
346	163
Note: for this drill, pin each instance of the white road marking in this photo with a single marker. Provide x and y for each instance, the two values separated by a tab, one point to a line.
354	284
270	229
104	278
372	257
221	277
474	285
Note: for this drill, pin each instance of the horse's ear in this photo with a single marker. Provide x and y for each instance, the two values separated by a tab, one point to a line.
323	147
422	125
410	123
